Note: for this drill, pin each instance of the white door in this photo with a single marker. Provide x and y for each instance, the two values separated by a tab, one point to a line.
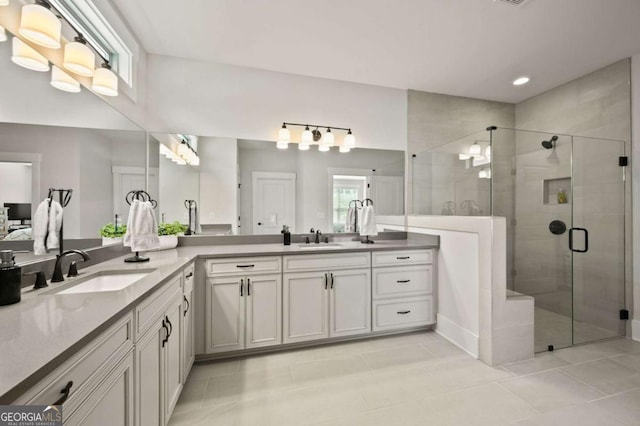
127	179
172	361
264	310
305	306
148	372
274	202
387	193
225	314
350	305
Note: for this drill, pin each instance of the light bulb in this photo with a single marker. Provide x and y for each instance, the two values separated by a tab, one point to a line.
344	149
283	134
78	58
105	81
63	81
475	149
25	56
40	25
323	148
349	140
3	34
307	137
328	139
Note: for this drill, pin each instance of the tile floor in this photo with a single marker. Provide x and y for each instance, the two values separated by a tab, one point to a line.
415	379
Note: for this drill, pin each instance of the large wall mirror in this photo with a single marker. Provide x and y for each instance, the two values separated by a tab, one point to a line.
55	139
251	187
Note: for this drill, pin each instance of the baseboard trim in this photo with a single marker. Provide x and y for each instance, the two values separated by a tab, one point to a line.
462	338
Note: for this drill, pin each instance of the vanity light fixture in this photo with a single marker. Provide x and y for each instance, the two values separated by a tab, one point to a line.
186	152
3	34
475	149
40	25
520	81
78	58
309	137
63	81
105	81
27	57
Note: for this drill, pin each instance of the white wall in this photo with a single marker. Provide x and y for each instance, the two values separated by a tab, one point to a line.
218	181
19	188
210	99
635	145
177	184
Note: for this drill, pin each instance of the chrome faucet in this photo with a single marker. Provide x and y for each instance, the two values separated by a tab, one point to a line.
73	270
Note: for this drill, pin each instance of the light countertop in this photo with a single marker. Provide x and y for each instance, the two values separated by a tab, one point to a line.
43	330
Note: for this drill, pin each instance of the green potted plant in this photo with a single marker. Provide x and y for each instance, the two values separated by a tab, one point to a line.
168	234
111	235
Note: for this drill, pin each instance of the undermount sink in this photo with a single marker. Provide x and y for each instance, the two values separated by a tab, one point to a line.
312	246
103	281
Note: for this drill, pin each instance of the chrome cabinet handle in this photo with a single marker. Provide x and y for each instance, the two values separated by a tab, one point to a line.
188	306
66	391
403	281
403	312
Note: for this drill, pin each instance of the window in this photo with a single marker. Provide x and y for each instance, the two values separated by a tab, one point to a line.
345	189
100	34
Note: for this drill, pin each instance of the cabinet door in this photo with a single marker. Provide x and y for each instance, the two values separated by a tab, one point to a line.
264	310
149	371
188	335
111	402
172	363
305	306
225	314
350	306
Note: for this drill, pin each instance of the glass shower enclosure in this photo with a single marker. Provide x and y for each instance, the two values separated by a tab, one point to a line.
564	199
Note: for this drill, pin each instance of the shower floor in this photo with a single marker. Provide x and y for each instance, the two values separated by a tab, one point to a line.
551	328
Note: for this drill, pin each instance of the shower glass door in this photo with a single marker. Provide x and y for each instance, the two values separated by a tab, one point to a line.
598	243
564	200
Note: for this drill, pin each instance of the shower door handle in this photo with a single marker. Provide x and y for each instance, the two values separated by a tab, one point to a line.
586	240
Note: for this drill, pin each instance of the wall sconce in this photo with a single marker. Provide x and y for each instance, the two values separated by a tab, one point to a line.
309	137
27	57
40	25
63	81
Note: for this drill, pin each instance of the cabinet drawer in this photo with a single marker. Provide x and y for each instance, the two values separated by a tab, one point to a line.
147	312
86	369
402	281
325	262
244	265
402	257
402	313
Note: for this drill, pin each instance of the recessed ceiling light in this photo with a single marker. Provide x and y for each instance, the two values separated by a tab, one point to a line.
520	81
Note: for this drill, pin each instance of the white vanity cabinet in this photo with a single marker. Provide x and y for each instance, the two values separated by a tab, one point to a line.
187	322
403	289
97	379
326	295
159	367
243	303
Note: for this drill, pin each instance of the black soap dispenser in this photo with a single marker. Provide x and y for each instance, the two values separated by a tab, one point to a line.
10	276
286	234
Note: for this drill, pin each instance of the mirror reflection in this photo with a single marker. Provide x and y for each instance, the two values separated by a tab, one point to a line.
250	187
55	139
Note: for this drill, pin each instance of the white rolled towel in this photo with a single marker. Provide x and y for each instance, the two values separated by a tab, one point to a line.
40	225
368	225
